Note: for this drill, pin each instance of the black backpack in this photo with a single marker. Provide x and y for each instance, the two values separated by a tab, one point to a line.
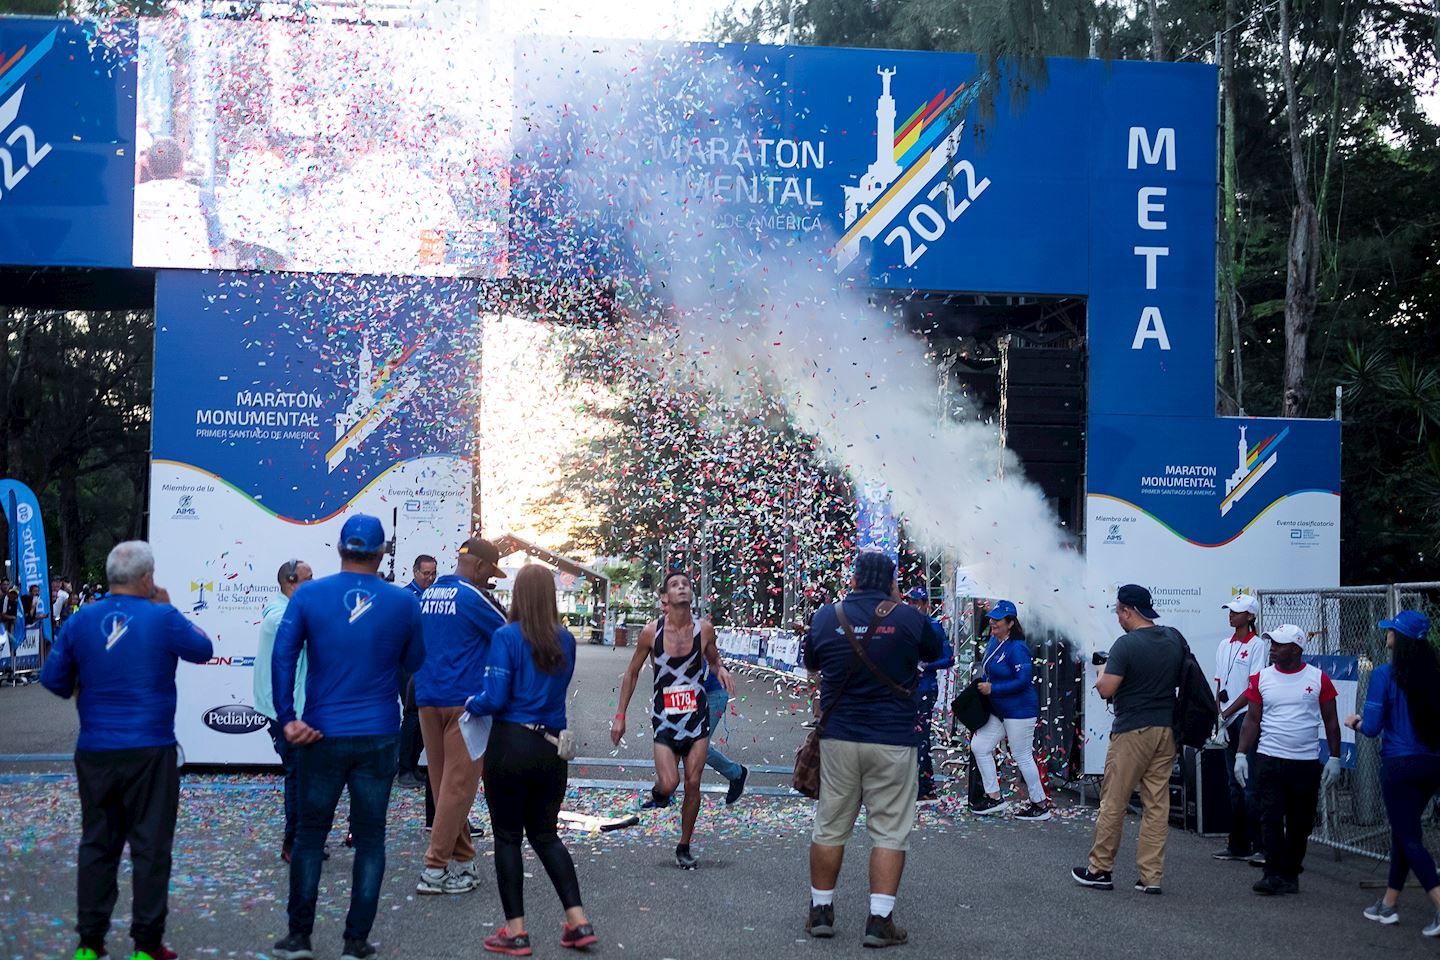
1195	709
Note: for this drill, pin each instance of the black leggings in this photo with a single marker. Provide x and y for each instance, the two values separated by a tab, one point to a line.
524	786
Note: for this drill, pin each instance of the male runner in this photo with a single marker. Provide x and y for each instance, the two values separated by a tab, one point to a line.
679	647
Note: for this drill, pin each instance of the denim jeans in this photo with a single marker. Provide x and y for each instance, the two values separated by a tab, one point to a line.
717	761
1246	836
286	753
924	765
366	765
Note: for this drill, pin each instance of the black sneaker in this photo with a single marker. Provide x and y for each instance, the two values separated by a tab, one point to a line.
357	950
1099	881
882	932
1272	886
684	859
294	947
1142	887
821	922
737	786
1034	812
986	806
1228	854
657	801
1256	859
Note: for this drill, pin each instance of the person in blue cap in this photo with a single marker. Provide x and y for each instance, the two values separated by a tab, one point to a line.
928	692
357	632
1007	678
1401	708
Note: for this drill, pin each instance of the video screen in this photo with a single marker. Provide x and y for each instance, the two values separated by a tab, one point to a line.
322	147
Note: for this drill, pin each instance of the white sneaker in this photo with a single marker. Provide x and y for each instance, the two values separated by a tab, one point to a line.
1433	930
432	880
465	868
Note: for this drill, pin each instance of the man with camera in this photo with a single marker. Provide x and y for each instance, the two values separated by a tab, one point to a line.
1139	680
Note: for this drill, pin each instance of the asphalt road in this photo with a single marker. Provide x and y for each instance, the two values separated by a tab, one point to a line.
973	886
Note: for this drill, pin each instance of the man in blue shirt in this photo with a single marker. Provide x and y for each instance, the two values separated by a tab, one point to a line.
289	577
867	739
357	632
423	572
929	691
117	656
459	620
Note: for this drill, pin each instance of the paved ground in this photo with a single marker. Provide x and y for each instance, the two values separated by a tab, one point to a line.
973	887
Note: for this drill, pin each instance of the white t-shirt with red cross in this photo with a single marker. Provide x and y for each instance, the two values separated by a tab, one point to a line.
1290	726
1237	661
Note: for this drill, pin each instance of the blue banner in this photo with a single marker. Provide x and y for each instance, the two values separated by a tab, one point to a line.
31	568
67	143
1344	672
876	525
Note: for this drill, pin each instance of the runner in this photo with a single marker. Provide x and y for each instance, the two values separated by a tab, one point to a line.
679	647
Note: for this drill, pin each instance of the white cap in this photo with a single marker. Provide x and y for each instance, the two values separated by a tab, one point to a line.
1242	603
1286	633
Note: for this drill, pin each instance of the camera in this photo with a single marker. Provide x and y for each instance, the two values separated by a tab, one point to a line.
1224	696
1100	658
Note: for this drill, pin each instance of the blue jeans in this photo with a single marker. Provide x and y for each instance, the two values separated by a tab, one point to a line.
286	753
1407	784
924	767
718	699
1246	835
366	765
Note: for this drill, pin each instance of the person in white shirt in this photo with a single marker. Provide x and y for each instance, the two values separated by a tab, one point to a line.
1237	660
1289	702
170	225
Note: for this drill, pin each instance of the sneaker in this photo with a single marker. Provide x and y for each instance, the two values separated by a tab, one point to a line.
987	805
1272	886
657	801
502	942
432	880
1034	812
1100	881
684	859
882	932
926	800
1256	859
88	953
810	724
1379	911
1433	930
1142	887
294	947
821	922
357	950
578	937
1228	854
737	786
141	955
465	868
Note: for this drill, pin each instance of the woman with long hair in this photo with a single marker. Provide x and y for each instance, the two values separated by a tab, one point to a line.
527	674
1402	707
1006	674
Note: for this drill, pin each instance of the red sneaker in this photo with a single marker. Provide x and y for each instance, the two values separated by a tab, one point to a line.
578	937
502	942
167	954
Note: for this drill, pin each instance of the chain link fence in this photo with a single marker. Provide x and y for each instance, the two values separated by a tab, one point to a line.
1341	623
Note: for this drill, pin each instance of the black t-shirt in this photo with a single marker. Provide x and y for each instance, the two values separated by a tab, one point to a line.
1149	661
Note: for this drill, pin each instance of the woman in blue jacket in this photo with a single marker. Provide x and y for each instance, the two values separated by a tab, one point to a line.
527	674
1006	673
1401	708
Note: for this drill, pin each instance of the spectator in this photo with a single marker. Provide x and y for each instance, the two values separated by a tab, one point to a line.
1401	709
929	692
1140	680
356	631
866	648
1007	671
118	659
527	675
291	575
1288	701
1236	662
423	572
171	229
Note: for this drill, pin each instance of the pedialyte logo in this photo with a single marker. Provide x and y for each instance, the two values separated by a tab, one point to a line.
22	151
234	718
114	627
377	397
1252	463
358	602
919	156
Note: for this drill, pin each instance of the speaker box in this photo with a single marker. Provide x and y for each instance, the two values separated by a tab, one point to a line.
1207	791
1037	365
1044	444
1043	405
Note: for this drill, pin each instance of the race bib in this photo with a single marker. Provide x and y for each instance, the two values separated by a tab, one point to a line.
680	700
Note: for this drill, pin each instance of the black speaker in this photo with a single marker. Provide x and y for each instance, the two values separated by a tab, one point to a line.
1207	791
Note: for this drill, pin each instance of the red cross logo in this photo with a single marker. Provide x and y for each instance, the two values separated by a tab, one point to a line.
1309	689
1244	654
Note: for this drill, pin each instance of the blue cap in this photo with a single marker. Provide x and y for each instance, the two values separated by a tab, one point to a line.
1413	624
918	593
1002	609
363	534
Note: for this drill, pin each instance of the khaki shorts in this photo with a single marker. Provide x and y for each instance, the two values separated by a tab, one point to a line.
879	776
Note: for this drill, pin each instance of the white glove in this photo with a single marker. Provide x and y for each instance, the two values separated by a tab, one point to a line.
1242	768
1331	772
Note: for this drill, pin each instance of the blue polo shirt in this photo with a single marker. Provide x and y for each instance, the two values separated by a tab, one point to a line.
120	655
357	632
515	690
458	621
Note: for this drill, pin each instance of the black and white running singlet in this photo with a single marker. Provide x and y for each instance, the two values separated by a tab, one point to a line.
679	712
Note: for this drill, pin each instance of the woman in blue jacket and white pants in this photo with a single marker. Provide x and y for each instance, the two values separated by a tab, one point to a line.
1401	709
1007	673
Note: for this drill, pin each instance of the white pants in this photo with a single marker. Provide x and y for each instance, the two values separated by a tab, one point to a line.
1021	734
